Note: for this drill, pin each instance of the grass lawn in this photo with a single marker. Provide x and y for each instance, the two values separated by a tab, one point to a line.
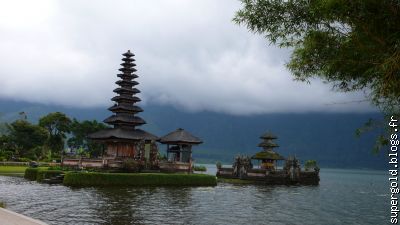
12	169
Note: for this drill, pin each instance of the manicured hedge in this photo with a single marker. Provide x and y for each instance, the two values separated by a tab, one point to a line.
200	168
82	179
31	173
40	173
45	174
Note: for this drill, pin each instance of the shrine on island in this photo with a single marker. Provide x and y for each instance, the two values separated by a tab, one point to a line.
268	156
179	146
268	172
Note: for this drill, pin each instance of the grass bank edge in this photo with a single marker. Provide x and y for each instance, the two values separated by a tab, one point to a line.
12	169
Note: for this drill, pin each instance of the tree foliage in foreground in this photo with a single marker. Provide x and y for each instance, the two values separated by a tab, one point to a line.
354	45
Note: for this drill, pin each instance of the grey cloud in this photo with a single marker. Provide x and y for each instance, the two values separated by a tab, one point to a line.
189	54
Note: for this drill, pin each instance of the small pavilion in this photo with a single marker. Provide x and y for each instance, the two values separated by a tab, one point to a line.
124	139
268	156
179	146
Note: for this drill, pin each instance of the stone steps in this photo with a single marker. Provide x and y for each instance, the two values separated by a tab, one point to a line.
54	180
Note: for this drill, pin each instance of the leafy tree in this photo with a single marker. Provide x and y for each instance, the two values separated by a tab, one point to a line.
57	124
354	45
25	137
7	148
79	139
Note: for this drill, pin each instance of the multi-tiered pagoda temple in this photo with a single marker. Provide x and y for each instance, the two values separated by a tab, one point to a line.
124	139
268	156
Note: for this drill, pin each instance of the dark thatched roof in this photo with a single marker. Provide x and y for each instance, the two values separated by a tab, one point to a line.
268	145
125	108
128	64
128	54
269	154
127	75
180	136
134	120
127	82
126	90
124	119
120	98
268	135
119	133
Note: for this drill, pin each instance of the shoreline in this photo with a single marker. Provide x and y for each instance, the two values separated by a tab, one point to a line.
9	217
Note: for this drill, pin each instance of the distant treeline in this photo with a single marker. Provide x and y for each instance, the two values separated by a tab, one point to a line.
328	138
22	140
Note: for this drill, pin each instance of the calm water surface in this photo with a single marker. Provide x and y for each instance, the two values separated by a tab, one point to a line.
343	197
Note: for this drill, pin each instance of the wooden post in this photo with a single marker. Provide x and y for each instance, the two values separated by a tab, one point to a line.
190	159
116	155
180	153
167	152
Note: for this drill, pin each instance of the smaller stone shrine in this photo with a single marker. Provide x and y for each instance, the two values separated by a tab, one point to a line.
179	150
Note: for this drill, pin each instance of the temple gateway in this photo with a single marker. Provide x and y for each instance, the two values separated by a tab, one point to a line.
125	141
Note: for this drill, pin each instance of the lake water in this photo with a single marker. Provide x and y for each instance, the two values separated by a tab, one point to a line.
343	197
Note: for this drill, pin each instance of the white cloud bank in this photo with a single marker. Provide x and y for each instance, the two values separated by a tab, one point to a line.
189	54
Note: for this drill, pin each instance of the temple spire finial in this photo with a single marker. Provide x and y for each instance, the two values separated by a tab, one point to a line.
128	54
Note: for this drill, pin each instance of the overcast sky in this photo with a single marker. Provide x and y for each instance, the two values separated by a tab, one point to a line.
188	53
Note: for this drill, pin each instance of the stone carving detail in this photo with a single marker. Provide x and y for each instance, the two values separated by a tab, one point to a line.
241	165
292	167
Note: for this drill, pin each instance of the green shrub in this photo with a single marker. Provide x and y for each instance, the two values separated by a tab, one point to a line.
130	165
46	174
31	173
161	157
199	168
6	154
310	164
23	159
82	179
218	165
2	205
55	168
44	164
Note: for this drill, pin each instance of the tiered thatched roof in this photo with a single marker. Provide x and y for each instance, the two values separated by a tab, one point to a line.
268	145
124	120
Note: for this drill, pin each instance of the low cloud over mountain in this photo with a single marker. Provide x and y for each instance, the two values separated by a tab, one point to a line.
189	54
